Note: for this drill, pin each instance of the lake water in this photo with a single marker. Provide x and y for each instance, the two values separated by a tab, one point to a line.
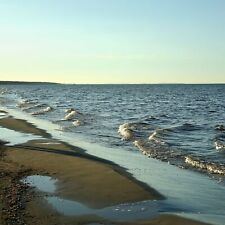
182	125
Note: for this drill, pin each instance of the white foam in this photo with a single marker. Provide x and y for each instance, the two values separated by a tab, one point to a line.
23	103
69	110
126	132
77	123
152	137
71	115
138	144
210	167
3	91
219	145
33	106
42	111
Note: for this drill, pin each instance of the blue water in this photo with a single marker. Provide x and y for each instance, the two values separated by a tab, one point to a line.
183	120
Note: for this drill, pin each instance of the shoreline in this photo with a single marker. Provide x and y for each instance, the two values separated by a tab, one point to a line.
21	155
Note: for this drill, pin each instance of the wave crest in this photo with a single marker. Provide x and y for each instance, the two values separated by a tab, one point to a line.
200	164
42	111
219	145
126	132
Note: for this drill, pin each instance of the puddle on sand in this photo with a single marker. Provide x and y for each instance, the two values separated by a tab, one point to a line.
15	137
121	212
42	183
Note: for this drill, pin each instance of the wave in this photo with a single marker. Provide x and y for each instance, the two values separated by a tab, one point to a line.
140	145
219	145
77	123
35	106
42	111
153	137
71	114
4	91
155	147
203	165
161	152
183	128
151	118
126	132
69	110
24	103
220	127
177	158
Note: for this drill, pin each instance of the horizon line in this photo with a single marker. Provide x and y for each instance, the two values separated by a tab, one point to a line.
160	83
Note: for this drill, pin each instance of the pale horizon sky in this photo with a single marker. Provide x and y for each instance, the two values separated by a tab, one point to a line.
113	41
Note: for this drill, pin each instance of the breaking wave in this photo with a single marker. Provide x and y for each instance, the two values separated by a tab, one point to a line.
77	123
206	166
219	145
155	147
42	111
125	130
25	103
155	137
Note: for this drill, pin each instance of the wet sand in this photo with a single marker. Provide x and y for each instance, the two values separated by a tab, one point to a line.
22	126
95	182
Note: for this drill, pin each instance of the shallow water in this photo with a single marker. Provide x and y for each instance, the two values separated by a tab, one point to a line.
42	183
14	137
121	212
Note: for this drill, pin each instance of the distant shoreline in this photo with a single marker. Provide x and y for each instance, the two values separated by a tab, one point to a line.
25	82
54	83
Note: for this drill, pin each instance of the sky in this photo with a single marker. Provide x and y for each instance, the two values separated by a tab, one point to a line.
113	41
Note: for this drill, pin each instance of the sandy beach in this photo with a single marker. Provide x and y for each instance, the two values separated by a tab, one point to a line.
83	178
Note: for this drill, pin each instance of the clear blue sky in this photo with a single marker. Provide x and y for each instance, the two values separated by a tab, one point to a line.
113	41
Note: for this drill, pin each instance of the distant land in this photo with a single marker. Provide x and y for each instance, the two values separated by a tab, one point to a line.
45	82
25	82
